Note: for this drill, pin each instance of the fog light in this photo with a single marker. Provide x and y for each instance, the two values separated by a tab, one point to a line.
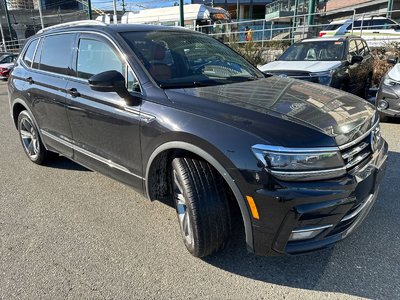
383	104
307	233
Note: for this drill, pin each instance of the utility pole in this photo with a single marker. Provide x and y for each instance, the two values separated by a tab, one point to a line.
90	10
181	14
389	9
294	22
237	10
311	11
115	18
123	6
2	38
40	13
8	19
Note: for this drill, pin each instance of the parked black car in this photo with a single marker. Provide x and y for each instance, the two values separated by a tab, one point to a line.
178	115
341	62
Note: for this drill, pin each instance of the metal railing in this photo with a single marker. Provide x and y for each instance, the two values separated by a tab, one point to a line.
263	31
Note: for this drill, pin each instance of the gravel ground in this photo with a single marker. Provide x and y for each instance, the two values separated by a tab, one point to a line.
69	233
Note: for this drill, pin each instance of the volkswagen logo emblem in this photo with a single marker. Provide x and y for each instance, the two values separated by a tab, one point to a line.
375	138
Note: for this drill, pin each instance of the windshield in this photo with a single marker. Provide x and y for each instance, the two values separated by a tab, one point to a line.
317	50
187	59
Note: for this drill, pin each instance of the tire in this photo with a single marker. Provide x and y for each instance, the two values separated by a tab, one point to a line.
201	205
30	139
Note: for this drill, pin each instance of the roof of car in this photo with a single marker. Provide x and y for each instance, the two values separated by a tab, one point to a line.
333	38
357	19
93	24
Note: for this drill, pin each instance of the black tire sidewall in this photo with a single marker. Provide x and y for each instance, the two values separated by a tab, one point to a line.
41	157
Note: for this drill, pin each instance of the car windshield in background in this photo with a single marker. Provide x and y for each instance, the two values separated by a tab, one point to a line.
321	50
179	59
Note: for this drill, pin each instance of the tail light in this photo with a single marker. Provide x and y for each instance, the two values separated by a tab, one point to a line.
321	34
4	71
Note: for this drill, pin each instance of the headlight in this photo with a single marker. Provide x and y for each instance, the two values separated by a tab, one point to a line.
390	82
300	164
324	78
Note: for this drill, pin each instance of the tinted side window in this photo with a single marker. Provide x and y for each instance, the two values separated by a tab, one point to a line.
95	57
57	53
382	24
28	57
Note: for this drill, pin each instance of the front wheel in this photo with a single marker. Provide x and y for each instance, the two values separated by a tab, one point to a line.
30	139
201	205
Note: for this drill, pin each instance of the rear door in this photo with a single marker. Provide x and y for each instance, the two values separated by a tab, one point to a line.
46	77
105	130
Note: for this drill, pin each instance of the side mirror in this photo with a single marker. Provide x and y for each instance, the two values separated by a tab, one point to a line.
356	59
393	60
112	81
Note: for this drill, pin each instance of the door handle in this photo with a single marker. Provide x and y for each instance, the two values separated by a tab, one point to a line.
73	92
30	80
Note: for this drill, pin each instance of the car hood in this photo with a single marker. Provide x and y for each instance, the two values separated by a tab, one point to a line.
304	66
394	73
332	112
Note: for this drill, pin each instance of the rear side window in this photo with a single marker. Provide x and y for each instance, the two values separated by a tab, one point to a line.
57	53
331	27
28	57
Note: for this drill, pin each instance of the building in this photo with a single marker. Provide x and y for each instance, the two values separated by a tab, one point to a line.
20	4
244	9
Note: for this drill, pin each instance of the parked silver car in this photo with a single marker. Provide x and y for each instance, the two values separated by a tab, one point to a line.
388	96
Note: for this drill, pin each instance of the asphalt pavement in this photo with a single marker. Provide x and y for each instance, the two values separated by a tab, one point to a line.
69	233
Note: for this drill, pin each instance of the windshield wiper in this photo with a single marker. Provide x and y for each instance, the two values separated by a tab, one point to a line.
180	85
242	78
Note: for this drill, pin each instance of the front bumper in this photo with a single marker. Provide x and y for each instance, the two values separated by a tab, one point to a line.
337	206
391	95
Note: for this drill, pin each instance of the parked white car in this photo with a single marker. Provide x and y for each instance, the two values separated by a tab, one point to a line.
375	30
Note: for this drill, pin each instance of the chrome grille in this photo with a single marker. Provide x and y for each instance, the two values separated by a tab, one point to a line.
357	153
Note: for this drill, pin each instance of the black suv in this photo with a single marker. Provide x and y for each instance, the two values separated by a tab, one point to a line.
179	115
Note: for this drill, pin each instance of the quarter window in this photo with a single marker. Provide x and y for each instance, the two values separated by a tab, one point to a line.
36	59
352	48
95	57
360	47
28	57
57	53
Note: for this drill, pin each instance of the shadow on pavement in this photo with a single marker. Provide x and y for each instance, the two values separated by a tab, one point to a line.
367	264
61	162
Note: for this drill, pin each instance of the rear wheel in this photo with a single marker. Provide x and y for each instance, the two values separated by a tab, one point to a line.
30	139
201	205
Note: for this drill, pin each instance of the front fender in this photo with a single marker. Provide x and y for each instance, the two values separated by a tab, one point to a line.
220	168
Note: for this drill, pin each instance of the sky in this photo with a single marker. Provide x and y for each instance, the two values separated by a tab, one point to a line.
131	5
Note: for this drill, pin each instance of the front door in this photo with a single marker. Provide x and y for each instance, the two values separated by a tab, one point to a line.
105	130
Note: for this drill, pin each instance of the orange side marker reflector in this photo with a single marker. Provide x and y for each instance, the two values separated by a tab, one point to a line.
253	207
